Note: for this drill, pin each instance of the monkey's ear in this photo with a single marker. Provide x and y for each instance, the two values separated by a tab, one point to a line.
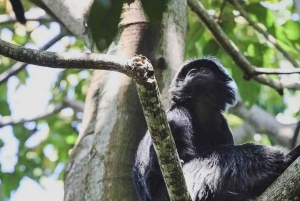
234	90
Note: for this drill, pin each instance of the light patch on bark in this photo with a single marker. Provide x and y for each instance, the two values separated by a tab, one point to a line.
106	120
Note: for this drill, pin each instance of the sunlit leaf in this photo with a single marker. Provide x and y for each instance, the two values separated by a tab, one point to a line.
249	90
292	30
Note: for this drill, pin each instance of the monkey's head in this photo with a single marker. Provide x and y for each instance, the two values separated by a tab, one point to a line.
204	79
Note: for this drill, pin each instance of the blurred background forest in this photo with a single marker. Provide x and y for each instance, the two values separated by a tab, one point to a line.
41	109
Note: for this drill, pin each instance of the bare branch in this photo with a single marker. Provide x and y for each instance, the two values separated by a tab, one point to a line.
258	71
268	36
52	109
18	66
293	86
7	120
230	47
261	122
219	18
30	16
75	104
64	60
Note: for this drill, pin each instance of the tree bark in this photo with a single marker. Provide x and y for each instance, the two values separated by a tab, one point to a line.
286	187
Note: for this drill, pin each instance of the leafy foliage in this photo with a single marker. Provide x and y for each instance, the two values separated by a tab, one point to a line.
103	20
154	9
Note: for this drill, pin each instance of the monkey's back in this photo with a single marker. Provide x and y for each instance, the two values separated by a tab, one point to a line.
234	173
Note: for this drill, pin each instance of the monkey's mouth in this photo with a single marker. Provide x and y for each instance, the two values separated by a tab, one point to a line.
199	80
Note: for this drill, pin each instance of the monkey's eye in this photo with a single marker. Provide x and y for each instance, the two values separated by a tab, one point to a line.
205	71
193	72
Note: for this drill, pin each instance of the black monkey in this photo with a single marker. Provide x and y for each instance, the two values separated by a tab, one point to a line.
200	92
18	10
214	168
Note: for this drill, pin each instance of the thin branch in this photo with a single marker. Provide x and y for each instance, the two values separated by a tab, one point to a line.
262	122
18	66
268	36
64	60
30	16
75	104
295	136
293	86
258	71
7	120
219	18
230	47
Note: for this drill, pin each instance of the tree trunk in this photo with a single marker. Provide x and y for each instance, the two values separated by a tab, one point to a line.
100	164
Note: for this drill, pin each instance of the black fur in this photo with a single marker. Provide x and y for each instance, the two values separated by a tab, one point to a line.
18	10
214	168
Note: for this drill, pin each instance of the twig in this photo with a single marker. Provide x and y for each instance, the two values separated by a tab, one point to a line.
50	110
274	71
295	136
75	104
18	66
268	36
30	16
221	11
292	86
64	60
229	46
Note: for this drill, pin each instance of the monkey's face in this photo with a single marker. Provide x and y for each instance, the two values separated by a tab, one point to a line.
204	78
199	78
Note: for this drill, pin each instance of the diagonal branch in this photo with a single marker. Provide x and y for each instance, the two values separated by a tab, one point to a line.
30	16
268	36
18	66
261	122
258	71
52	109
230	47
75	104
7	120
64	60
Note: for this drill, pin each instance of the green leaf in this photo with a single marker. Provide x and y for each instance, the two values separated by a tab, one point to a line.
259	12
23	75
211	47
4	107
103	20
154	9
292	30
249	90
